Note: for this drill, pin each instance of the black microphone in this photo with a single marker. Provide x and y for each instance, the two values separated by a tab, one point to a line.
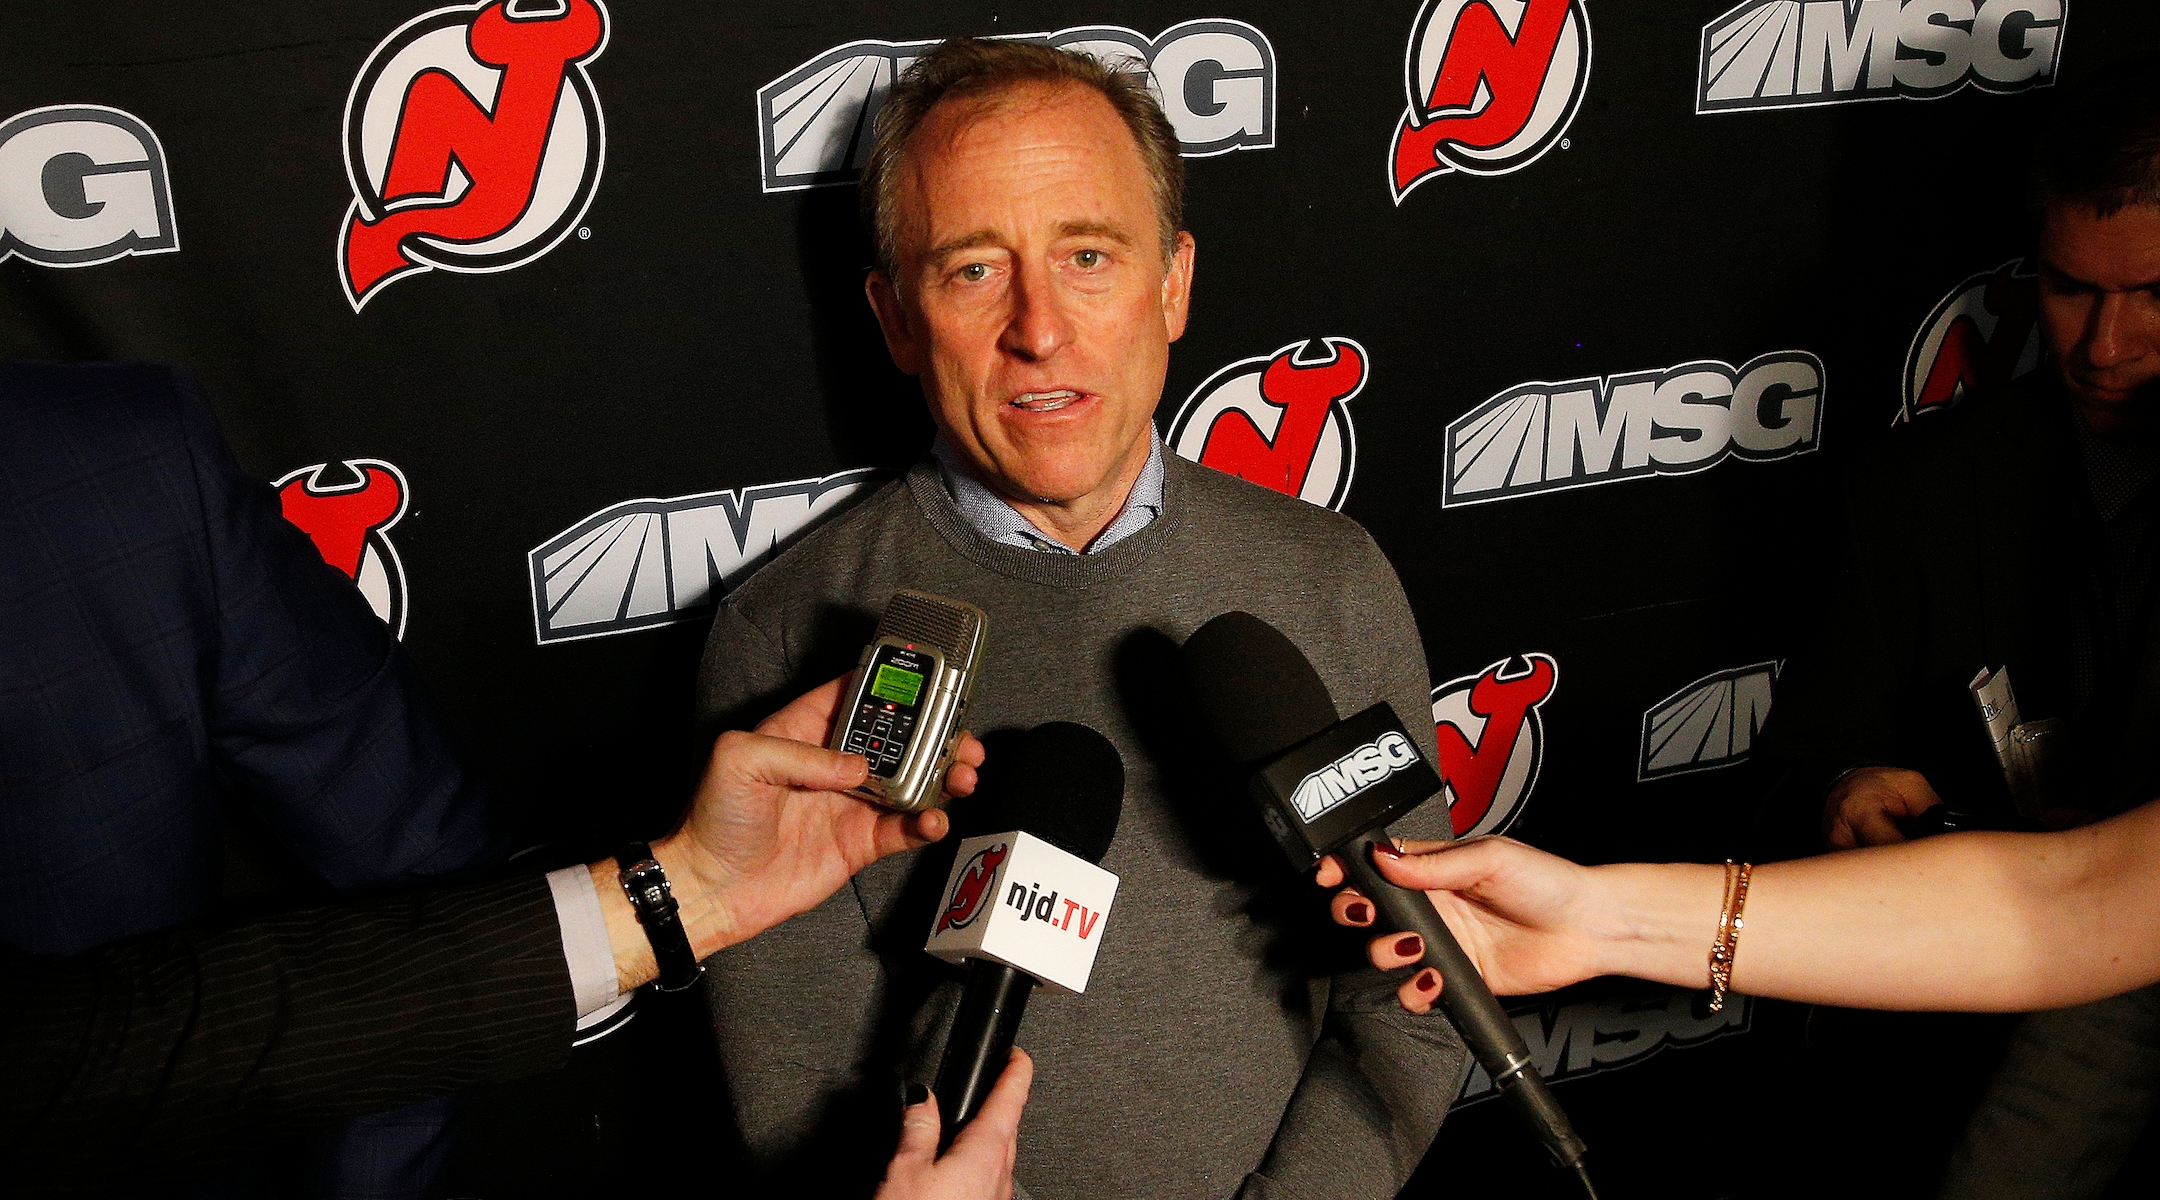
1024	907
1330	786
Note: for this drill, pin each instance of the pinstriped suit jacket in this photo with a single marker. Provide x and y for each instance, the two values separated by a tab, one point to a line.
184	1048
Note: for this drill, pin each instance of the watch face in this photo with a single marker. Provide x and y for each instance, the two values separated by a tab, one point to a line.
647	885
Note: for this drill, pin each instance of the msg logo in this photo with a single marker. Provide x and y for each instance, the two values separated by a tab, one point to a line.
1543	437
1215	80
80	185
1794	53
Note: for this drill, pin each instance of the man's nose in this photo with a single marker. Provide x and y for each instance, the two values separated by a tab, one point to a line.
2107	340
1038	326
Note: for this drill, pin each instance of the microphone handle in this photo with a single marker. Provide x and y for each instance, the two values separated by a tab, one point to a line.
992	1001
1476	1013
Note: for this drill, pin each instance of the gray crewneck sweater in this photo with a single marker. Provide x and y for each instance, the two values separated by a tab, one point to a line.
1228	1043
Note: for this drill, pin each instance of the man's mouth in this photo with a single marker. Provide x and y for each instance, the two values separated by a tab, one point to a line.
2104	394
1044	401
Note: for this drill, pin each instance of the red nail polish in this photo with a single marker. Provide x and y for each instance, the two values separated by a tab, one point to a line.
1427	981
1387	848
1410	946
1359	912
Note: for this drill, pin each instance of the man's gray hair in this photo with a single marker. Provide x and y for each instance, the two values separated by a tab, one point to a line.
979	68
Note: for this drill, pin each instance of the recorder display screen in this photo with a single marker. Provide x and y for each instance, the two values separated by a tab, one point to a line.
892	683
884	722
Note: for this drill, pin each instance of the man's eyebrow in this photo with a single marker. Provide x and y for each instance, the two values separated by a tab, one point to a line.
943	250
1102	229
2084	284
1109	230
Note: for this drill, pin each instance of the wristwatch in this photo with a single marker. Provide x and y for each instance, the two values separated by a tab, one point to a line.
647	886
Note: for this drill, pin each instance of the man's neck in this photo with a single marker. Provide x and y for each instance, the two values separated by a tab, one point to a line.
1077	523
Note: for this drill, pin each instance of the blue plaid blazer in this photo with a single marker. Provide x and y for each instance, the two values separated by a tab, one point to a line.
170	644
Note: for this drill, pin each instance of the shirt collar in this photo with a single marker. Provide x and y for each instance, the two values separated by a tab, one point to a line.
1000	522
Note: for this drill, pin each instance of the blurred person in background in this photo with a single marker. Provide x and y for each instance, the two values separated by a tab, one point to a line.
2016	531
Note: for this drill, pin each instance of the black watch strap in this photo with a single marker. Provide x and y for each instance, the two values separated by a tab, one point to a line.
647	886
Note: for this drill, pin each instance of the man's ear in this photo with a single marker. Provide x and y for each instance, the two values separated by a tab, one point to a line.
892	318
1177	287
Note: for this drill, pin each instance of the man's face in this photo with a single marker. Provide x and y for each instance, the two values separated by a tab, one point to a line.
1033	299
2100	311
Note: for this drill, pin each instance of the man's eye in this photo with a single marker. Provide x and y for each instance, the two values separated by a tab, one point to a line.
975	272
1088	260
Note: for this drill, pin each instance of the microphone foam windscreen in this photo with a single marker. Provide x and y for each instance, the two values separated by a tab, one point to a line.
1255	688
1062	782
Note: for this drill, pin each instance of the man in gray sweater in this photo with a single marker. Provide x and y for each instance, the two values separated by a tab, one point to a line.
1032	273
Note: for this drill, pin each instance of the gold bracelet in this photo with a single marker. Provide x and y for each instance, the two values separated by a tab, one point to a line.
1730	922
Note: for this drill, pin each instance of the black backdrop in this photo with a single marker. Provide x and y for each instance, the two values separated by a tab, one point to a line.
680	321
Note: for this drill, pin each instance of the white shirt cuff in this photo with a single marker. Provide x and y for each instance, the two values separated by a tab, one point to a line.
584	939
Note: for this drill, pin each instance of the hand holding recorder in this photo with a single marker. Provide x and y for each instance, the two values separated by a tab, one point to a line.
775	828
472	975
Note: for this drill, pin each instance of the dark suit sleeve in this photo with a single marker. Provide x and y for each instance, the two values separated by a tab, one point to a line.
314	713
185	1047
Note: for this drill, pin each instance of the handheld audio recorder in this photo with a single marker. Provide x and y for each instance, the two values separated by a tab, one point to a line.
909	692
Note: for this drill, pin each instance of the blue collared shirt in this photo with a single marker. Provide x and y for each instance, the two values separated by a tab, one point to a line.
1002	523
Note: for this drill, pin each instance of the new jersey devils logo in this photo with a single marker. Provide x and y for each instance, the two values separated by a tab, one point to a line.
966	901
1493	85
350	524
1492	740
1281	420
1981	336
473	141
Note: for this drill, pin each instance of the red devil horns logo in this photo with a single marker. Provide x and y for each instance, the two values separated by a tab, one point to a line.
1281	420
472	140
349	525
1305	393
1979	337
1491	741
966	901
1484	98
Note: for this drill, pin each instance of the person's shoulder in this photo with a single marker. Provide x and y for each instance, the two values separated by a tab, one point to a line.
1227	506
811	602
55	382
90	400
821	564
1993	428
73	424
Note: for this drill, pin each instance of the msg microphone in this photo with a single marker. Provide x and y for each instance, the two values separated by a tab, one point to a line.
1330	786
1025	907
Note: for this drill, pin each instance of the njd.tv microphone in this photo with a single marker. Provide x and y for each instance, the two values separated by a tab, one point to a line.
1330	786
1026	906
